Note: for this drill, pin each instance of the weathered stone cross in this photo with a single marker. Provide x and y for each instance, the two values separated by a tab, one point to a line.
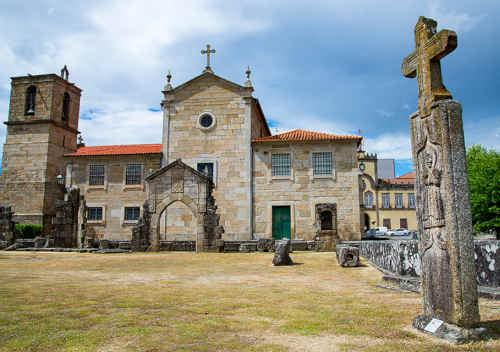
208	52
425	63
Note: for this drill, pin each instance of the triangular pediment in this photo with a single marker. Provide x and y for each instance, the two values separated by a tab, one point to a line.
178	164
211	78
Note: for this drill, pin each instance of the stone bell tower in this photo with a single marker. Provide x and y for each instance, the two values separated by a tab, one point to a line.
42	127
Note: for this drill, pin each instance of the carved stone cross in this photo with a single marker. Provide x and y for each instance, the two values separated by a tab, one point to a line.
424	62
208	52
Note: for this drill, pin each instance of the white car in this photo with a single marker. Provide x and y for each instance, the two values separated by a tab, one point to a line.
399	232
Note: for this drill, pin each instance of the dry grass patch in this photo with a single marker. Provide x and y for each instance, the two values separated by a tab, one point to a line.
205	302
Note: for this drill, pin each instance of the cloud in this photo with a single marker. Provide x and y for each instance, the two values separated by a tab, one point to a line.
389	146
450	19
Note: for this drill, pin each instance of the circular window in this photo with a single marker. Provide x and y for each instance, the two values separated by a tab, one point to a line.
206	121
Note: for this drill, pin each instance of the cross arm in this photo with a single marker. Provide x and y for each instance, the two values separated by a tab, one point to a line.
409	65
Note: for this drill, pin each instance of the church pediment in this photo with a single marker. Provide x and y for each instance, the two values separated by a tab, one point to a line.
209	78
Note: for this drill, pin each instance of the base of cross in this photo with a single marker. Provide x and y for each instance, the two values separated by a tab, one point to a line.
452	333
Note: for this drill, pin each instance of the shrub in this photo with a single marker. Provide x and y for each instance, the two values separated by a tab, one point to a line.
28	230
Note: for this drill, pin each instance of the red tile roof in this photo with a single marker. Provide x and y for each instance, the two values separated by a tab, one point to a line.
406	179
306	136
118	150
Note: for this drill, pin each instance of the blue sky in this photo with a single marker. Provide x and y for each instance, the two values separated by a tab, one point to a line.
330	66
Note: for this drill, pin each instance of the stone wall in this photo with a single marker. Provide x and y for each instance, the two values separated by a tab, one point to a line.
401	258
115	195
302	191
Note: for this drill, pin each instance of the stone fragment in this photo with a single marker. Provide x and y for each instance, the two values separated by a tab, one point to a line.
40	242
265	245
449	332
248	247
281	253
347	256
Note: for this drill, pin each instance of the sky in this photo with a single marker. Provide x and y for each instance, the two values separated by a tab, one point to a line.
328	66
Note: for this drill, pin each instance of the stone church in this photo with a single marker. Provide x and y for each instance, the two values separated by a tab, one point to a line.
215	148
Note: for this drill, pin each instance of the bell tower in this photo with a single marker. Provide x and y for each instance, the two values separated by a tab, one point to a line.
41	128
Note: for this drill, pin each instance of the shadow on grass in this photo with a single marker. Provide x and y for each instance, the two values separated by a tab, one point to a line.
493	327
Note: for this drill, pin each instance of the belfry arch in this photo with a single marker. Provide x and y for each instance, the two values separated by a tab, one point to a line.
178	182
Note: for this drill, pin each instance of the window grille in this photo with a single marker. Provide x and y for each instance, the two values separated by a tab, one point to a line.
322	163
385	200
96	175
133	174
94	213
132	213
280	164
399	200
411	200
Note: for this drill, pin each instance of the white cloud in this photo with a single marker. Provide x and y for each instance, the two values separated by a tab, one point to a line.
450	19
389	146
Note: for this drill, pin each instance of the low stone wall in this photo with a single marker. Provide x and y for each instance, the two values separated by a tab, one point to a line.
400	257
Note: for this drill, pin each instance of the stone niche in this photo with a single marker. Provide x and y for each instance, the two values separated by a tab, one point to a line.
326	226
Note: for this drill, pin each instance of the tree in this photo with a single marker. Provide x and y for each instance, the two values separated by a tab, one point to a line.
483	168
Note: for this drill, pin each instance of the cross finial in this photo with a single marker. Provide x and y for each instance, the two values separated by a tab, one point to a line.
424	63
208	52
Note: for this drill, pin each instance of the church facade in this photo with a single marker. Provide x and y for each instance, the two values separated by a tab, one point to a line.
298	184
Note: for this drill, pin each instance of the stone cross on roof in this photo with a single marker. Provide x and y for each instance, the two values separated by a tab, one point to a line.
208	52
424	62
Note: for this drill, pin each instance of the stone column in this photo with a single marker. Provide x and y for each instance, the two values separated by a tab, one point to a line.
444	217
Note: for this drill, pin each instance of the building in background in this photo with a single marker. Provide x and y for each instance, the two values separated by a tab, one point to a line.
385	201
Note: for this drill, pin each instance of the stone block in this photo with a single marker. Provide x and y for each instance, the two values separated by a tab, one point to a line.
347	256
265	245
281	253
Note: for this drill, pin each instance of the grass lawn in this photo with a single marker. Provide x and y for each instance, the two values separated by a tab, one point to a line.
207	302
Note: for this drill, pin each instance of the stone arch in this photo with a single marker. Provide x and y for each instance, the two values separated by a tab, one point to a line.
169	200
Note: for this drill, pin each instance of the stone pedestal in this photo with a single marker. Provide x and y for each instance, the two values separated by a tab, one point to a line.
446	248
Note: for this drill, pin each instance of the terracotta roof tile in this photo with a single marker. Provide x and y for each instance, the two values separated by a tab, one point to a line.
306	136
117	150
406	179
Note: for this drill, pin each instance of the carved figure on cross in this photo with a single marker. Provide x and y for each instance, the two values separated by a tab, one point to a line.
208	52
424	63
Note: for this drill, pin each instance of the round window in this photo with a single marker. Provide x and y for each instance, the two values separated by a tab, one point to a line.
206	120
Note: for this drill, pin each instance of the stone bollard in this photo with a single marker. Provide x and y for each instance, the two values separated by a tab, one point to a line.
281	253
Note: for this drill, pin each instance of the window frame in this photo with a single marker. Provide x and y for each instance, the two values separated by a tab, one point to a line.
103	185
410	205
141	175
365	202
284	177
398	196
129	206
206	161
30	90
332	165
103	209
388	197
65	111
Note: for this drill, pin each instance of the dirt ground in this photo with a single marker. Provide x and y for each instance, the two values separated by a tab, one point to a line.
208	302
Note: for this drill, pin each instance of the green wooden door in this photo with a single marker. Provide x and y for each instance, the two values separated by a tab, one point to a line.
281	222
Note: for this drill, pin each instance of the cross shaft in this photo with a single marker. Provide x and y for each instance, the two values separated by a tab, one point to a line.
208	52
424	63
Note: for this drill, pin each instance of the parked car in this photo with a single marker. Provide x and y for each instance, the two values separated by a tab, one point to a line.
380	231
399	232
370	234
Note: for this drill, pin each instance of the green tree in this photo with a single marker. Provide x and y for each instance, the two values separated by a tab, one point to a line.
483	167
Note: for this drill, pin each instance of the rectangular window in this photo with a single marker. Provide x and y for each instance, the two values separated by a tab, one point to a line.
206	169
96	175
399	200
132	213
322	163
280	164
386	203
403	223
411	200
133	174
94	213
387	223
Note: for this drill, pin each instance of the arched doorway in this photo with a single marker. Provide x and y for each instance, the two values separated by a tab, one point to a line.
178	223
